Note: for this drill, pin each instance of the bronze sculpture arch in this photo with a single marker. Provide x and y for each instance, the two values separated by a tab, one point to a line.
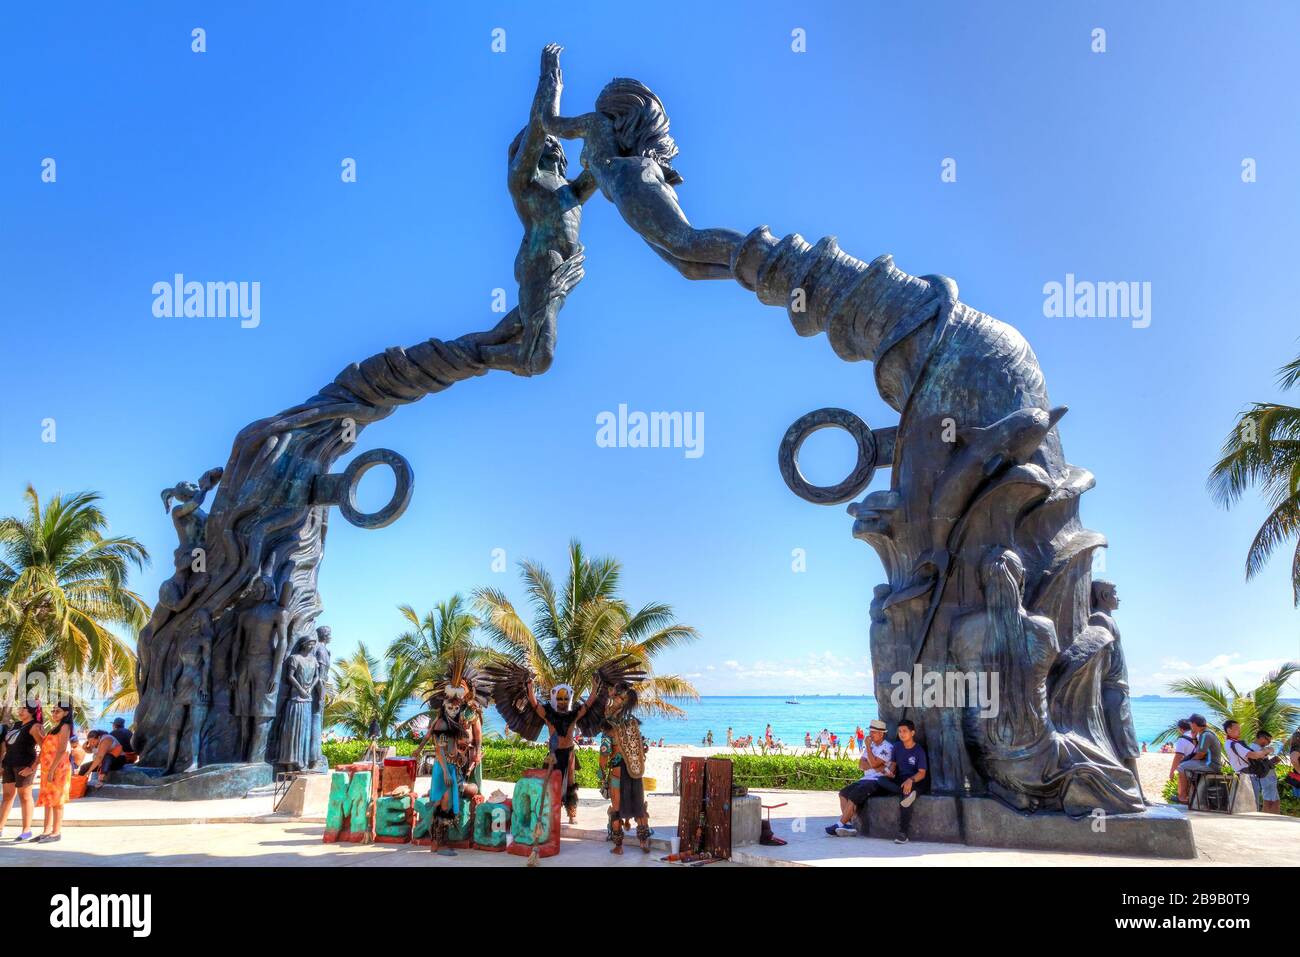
987	563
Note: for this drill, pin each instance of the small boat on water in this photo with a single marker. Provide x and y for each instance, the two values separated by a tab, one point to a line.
792	702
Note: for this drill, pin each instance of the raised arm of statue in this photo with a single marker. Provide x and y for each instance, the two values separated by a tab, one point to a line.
546	102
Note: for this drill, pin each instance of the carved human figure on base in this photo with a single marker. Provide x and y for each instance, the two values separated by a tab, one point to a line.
323	660
297	717
1114	679
256	662
192	696
1028	763
190	522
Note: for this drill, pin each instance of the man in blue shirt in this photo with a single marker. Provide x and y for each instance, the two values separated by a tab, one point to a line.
910	769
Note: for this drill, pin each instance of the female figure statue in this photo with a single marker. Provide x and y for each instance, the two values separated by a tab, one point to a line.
190	522
627	148
1028	762
295	737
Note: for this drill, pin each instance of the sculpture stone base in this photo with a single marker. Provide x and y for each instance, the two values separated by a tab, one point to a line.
210	783
1160	831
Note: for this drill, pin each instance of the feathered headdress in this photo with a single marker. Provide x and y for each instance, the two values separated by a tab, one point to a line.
462	679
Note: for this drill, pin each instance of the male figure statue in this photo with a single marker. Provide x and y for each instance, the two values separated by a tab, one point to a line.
1114	682
318	696
549	262
192	681
256	661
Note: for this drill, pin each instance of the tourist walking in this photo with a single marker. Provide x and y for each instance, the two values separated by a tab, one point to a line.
823	743
56	772
18	766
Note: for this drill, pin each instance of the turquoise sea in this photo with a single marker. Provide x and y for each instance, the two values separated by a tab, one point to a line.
840	714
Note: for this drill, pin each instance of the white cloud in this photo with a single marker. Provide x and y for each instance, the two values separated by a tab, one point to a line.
1244	673
816	673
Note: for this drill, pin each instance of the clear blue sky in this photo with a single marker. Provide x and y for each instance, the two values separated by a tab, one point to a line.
225	166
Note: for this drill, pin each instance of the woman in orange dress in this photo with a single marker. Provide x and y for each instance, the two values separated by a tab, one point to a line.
56	773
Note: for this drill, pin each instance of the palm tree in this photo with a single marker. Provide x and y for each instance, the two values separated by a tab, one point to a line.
125	696
1260	710
1264	450
63	583
433	640
574	630
360	694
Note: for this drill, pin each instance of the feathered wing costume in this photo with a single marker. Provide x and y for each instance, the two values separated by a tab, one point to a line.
526	716
455	703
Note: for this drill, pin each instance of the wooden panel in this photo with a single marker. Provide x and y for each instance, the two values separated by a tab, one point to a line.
690	818
717	808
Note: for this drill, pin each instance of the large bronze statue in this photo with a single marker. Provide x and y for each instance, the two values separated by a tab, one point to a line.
976	458
987	563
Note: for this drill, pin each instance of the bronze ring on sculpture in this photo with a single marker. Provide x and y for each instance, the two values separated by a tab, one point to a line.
858	479
341	488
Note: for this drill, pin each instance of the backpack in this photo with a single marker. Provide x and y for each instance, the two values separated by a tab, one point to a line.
1260	767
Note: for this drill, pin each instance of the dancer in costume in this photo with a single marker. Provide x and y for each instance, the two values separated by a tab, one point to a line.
515	695
622	763
456	751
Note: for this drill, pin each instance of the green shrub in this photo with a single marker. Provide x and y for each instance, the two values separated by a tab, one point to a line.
504	759
355	749
792	772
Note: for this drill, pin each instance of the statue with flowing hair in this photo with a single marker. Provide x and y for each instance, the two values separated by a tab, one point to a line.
1028	763
549	262
190	522
628	150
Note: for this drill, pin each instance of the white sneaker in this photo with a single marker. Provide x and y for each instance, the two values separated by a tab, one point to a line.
845	830
908	801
